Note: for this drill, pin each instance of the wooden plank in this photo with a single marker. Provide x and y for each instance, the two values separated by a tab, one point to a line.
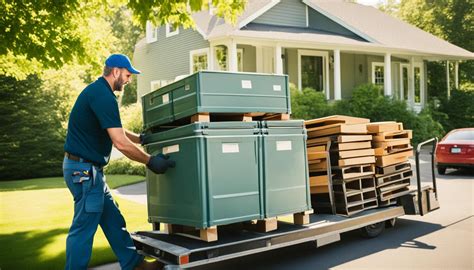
333	119
353	145
353	138
383	151
320	180
356	153
316	155
337	129
201	117
318	167
317	148
400	157
393	142
302	218
380	171
355	161
355	171
316	161
387	136
319	189
389	126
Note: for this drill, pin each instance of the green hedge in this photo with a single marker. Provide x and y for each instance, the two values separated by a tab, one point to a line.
367	102
125	166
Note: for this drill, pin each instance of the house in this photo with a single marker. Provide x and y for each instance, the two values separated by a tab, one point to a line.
329	45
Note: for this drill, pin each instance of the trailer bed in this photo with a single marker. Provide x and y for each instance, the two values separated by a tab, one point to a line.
178	251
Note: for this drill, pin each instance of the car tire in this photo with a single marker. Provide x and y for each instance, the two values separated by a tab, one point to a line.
441	170
372	231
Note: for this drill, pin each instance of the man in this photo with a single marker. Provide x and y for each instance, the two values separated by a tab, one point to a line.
94	125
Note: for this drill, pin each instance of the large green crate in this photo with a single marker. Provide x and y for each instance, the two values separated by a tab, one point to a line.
217	92
216	180
285	171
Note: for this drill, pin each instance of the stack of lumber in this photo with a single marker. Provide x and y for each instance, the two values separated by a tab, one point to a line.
352	158
392	145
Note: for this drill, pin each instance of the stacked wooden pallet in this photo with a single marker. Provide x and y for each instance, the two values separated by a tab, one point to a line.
346	141
393	170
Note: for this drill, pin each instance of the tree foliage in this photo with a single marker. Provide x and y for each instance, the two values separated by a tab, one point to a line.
48	34
31	129
451	20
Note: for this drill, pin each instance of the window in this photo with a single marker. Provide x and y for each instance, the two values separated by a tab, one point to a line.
404	81
221	58
378	73
313	70
199	60
171	30
151	32
418	84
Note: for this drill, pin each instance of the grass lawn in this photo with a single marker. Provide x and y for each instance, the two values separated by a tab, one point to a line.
35	216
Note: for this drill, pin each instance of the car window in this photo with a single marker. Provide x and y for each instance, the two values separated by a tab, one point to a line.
467	135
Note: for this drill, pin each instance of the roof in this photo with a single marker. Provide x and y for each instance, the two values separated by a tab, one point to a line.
388	33
392	32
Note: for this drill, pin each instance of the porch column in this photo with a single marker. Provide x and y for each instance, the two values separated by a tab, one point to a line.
456	75
387	75
210	61
448	84
278	59
259	58
337	75
411	82
232	56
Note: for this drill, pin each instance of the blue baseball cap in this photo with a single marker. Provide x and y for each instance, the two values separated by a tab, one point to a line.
121	61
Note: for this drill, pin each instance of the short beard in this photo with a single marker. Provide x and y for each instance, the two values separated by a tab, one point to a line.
119	85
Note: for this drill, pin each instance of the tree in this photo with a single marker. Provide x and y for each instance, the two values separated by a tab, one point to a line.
49	33
32	131
451	20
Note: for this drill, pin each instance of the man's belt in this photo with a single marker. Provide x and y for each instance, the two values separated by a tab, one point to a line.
76	158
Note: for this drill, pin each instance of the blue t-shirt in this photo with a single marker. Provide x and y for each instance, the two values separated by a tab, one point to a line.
95	110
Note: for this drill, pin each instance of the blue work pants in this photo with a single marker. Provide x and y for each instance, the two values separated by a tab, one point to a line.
93	206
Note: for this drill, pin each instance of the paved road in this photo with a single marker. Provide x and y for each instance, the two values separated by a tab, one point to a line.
440	240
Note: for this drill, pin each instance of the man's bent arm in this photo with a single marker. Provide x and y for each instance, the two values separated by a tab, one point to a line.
122	142
135	138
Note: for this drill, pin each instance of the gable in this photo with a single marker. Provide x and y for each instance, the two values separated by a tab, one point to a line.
318	21
286	13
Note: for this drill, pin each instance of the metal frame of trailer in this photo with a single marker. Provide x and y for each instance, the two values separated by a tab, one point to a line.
178	251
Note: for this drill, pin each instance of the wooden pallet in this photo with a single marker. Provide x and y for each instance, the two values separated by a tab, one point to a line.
356	161
392	159
353	171
335	119
338	139
318	165
379	127
336	129
319	184
348	204
387	136
354	153
404	176
206	234
390	147
392	168
244	117
393	193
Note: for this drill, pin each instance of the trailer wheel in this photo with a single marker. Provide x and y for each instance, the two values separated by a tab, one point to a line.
390	223
155	226
373	230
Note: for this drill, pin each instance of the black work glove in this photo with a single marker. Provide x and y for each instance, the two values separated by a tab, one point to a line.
142	138
160	163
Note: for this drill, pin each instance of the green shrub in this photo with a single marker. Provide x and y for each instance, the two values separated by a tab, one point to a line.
458	111
308	104
131	116
125	166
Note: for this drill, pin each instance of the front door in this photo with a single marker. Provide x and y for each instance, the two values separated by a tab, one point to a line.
312	72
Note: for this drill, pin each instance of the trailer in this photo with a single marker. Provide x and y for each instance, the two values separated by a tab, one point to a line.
177	251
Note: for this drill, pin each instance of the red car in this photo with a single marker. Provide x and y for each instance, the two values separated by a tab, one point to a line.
456	150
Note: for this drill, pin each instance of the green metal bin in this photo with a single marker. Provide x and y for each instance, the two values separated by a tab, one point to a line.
216	180
285	169
218	92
